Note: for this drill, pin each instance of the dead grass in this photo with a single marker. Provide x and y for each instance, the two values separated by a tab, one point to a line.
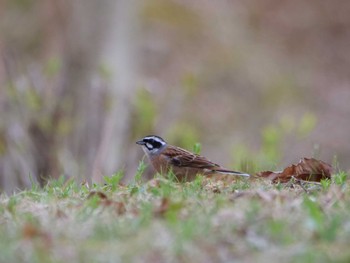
164	221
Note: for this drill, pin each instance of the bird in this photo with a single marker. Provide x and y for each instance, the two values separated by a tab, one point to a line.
184	164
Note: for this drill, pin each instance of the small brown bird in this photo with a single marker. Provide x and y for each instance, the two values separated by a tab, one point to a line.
184	164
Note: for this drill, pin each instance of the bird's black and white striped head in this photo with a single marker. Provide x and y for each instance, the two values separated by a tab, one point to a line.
152	144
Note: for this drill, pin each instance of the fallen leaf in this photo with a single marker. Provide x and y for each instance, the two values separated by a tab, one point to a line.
163	207
60	214
101	195
105	201
31	231
308	169
119	207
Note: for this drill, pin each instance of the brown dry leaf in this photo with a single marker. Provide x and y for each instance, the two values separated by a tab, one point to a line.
308	169
101	195
31	231
119	207
105	201
163	207
60	214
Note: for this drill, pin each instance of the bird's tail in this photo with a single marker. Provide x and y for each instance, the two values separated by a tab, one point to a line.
229	172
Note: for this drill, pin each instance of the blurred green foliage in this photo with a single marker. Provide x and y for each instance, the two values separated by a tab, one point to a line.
64	126
144	113
52	67
324	227
340	178
273	137
174	14
281	90
114	180
190	84
32	99
2	143
21	4
140	170
216	55
307	124
197	147
271	142
183	134
105	72
325	183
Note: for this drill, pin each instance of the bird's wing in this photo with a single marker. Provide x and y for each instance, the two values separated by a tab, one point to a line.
182	158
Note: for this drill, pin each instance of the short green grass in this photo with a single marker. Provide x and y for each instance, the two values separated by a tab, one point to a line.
247	220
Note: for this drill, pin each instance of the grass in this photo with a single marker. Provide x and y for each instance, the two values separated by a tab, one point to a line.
247	220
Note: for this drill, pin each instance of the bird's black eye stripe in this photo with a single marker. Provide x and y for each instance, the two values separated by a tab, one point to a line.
156	144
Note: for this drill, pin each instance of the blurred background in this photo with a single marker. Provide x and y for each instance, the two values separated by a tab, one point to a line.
259	83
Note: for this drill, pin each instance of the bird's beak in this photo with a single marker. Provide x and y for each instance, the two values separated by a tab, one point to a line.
141	142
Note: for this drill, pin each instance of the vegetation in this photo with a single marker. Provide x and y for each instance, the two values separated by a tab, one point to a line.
260	83
162	220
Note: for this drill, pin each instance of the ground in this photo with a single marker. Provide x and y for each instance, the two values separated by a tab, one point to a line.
242	220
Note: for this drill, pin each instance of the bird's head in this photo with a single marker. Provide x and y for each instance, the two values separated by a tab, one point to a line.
152	144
